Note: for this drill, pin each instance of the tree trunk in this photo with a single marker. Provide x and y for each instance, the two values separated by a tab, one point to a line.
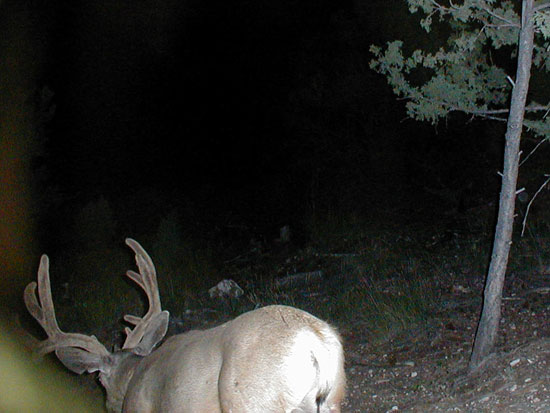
490	316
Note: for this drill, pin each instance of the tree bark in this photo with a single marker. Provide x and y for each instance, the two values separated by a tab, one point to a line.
490	316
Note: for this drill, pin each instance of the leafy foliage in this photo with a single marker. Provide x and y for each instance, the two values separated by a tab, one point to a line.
463	75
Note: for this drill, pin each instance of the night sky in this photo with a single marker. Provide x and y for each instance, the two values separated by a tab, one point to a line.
256	113
189	93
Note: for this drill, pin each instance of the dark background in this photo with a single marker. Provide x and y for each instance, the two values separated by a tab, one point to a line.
238	118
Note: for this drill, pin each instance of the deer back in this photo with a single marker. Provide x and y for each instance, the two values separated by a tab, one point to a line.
274	359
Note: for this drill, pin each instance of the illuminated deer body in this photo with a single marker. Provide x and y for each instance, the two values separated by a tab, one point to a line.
271	360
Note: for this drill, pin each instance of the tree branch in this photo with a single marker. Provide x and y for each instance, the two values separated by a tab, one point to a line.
531	153
484	7
488	112
524	223
541	7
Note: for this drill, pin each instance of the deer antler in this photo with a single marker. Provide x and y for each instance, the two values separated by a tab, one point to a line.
155	318
44	313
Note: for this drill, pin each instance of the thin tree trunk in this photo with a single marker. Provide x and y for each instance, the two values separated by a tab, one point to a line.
490	316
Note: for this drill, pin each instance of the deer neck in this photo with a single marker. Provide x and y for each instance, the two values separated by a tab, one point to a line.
117	376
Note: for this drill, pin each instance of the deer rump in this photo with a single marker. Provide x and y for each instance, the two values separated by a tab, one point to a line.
274	359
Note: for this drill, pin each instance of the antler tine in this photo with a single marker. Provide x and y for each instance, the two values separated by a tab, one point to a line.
147	280
44	314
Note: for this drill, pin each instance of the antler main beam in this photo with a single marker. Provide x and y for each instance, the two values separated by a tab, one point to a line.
44	313
147	280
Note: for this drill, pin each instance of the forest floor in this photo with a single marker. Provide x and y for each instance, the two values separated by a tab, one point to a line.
422	365
423	368
415	366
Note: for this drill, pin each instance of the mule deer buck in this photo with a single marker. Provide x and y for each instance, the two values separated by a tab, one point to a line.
271	360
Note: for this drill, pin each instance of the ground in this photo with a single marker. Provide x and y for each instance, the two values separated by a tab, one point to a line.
423	368
418	366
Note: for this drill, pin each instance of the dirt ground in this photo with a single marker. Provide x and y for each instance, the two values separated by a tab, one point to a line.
423	368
